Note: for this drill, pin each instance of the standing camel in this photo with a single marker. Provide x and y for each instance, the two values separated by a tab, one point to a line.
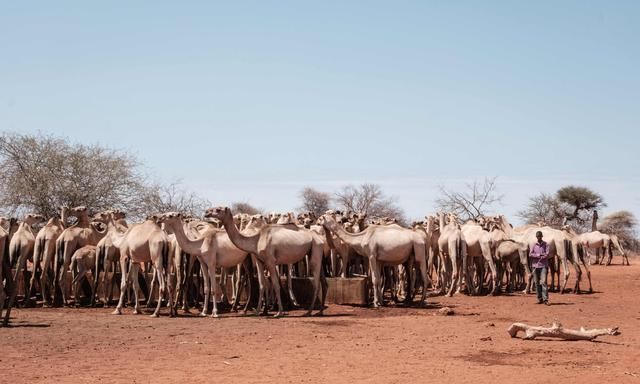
481	244
452	247
276	245
143	243
80	234
44	253
20	250
213	248
384	245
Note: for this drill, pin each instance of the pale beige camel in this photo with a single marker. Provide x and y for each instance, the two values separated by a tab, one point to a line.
108	256
561	245
615	241
596	240
143	243
85	260
432	229
7	228
275	245
213	248
512	255
384	245
515	251
80	234
44	253
453	249
481	245
20	250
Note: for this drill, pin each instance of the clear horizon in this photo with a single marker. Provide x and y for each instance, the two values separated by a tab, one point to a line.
252	102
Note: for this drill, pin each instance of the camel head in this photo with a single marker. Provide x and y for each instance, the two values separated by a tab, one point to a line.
219	213
287	218
431	224
256	222
170	220
118	214
33	218
79	210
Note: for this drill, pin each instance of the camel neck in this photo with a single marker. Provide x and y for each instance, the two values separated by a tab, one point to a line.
192	247
352	239
245	243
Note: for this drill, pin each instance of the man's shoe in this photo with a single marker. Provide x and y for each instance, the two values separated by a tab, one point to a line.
546	302
539	302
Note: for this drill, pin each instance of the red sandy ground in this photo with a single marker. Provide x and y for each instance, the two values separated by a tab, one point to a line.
349	344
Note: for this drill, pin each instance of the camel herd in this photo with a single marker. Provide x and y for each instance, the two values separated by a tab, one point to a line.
440	253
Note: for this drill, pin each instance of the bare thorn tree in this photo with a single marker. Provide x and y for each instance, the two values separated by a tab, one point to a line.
370	200
42	173
171	197
544	208
622	224
314	201
244	207
474	201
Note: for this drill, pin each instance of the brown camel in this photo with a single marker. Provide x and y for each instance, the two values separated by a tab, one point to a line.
275	245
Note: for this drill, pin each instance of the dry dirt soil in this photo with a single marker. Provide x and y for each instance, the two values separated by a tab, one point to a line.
348	344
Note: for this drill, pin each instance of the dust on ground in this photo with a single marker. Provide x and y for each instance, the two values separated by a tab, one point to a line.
348	344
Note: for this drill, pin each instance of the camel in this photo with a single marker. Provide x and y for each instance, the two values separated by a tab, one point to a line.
142	243
80	234
275	245
213	248
85	259
615	241
600	241
510	253
384	245
452	243
482	244
7	229
20	250
108	256
433	235
44	253
561	245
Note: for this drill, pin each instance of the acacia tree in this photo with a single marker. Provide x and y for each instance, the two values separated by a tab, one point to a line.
571	205
370	200
160	198
544	208
314	201
476	200
580	202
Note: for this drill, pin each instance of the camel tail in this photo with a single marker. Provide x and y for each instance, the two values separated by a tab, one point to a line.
4	258
73	271
16	255
165	256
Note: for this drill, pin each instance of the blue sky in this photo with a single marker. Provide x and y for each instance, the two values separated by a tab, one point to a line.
251	101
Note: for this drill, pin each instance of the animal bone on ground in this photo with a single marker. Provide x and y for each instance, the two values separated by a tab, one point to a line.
558	331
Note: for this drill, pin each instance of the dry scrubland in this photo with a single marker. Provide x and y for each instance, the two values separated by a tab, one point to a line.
349	344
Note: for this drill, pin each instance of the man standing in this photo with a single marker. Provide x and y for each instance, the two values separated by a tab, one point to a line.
539	255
